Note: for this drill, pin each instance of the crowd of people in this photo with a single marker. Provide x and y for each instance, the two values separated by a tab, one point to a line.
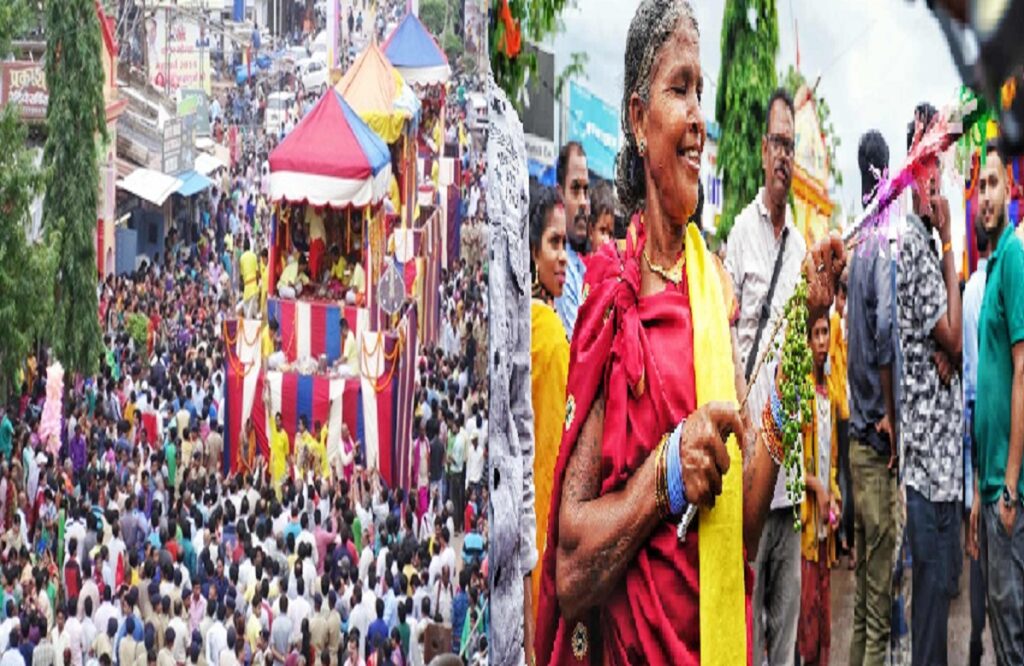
911	454
126	540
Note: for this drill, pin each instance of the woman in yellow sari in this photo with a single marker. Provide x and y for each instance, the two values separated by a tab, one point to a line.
549	359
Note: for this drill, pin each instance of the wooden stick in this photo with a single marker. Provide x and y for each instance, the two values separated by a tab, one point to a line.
764	355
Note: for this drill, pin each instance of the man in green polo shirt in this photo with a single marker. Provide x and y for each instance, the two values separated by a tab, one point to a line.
997	521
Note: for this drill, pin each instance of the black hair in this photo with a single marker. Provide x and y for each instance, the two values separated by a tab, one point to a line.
542	201
872	155
564	155
778	95
924	112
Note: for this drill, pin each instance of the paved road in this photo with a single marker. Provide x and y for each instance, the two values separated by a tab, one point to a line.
843	589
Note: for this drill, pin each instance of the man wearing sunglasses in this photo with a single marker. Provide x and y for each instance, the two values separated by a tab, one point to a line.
764	256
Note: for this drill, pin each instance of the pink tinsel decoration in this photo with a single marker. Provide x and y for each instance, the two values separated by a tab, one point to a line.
53	408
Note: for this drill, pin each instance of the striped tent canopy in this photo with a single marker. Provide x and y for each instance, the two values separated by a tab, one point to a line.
414	51
332	158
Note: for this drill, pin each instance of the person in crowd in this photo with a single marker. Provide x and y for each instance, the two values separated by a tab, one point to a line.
601	225
819	513
644	409
930	408
996	534
549	361
764	260
871	355
574	188
974	292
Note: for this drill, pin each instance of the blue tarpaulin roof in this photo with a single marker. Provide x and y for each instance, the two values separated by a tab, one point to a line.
193	182
411	45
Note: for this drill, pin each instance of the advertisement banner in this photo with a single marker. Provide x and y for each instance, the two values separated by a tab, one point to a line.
178	51
594	123
24	84
195	103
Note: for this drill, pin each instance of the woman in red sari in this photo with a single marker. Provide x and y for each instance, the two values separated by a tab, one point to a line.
619	586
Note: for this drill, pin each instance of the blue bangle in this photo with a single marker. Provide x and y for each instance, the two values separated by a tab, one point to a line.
777	414
674	472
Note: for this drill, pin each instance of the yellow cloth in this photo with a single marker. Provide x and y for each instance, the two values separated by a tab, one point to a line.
248	266
325	467
723	638
358	281
316	224
395	195
268	342
263	286
350	352
279	449
290	274
549	373
809	507
338	269
837	364
129	412
314	449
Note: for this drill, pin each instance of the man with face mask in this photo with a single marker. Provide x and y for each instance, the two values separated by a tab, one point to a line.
764	258
574	187
997	516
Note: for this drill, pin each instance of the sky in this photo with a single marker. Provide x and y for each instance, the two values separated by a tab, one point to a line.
877	60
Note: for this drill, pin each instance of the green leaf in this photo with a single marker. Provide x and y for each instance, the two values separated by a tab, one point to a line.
75	126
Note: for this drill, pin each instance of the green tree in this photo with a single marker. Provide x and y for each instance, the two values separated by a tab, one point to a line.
26	269
750	40
14	18
536	20
577	68
432	14
791	81
74	119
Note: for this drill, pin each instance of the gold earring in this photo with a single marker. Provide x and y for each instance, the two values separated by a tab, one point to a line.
642	147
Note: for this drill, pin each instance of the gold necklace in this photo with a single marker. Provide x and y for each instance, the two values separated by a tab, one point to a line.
674	274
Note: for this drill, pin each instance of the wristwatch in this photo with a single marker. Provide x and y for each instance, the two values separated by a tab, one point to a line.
1008	498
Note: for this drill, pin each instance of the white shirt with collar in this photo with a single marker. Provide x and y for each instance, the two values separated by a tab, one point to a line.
750	260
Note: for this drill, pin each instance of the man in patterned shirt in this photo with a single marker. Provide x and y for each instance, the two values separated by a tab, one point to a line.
931	429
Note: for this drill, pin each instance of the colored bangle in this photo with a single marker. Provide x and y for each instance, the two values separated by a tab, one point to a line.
660	489
676	489
778	416
947	247
771	436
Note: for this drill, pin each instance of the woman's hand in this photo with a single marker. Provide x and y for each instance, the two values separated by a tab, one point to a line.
702	450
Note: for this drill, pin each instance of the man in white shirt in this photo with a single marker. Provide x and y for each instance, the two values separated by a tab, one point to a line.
475	462
762	240
299	608
444	594
216	638
416	635
359	618
10	623
447	556
11	656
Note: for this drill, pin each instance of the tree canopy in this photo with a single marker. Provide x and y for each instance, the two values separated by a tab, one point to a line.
750	40
26	269
75	121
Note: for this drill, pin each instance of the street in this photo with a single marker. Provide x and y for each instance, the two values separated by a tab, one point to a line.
843	590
